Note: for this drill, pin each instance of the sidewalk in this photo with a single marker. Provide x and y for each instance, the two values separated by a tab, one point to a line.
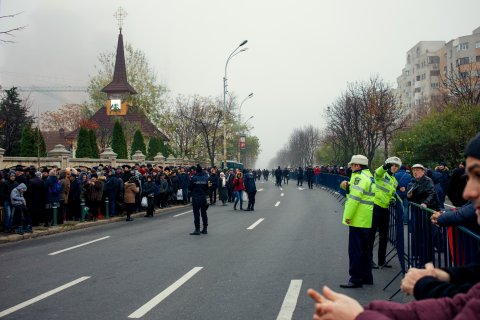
75	225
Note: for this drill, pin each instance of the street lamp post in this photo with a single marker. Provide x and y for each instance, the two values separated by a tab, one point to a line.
241	104
238	142
234	52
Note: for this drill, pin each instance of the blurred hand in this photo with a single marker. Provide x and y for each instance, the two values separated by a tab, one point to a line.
434	217
333	305
423	205
402	189
344	184
414	274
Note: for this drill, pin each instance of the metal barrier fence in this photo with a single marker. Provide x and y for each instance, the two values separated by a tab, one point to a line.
422	241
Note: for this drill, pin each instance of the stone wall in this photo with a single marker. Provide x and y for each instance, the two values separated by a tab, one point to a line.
61	158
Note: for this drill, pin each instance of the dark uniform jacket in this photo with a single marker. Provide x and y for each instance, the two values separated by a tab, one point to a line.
423	191
199	189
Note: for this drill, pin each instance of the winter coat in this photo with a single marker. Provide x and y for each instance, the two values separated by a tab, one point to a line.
199	188
250	183
183	180
464	216
148	189
423	191
6	187
35	194
213	181
460	307
403	179
16	197
455	188
52	195
462	279
94	192
222	189
163	186
75	191
238	184
113	187
131	190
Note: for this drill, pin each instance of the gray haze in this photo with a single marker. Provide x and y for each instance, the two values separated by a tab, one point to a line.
300	56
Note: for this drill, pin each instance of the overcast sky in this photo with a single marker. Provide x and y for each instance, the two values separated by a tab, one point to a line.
300	56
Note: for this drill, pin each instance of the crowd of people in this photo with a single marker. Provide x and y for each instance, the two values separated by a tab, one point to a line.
447	293
30	196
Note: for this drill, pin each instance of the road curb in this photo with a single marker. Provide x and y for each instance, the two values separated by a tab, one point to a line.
43	231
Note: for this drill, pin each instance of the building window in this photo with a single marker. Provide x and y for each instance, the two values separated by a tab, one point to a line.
477	58
409	83
417	89
462	61
423	76
477	45
434	73
418	78
464	75
433	59
435	85
462	46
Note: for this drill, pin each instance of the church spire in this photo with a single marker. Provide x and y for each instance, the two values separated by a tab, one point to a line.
119	84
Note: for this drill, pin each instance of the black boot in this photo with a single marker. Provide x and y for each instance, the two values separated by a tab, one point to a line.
204	230
196	232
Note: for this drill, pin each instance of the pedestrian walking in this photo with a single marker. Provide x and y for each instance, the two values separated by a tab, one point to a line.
131	190
222	189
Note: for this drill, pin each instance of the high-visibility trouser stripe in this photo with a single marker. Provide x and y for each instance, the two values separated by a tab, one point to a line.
361	200
363	191
383	189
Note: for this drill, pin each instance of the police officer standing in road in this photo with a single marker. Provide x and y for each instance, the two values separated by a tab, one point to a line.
199	191
357	215
385	190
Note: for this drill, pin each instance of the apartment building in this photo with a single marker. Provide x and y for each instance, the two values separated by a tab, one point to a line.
428	62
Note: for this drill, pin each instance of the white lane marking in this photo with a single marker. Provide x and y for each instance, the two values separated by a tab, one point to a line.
277	204
290	301
140	312
41	297
78	246
449	205
260	190
300	188
282	194
255	224
281	189
181	214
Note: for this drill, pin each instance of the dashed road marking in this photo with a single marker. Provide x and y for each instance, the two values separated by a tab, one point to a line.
290	301
277	204
181	214
41	297
255	224
140	312
78	246
282	194
260	190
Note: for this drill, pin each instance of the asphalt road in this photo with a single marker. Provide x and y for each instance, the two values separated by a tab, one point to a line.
151	268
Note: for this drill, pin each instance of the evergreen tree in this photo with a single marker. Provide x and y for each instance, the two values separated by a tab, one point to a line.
40	148
32	143
93	144
119	145
84	149
153	148
138	143
13	118
27	146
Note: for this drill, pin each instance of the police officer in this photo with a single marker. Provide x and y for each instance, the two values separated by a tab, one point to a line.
385	189
357	215
199	190
300	177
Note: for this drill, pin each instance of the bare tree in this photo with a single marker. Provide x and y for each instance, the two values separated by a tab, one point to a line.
461	85
5	35
363	118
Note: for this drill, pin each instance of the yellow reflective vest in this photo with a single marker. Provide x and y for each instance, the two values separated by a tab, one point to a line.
359	205
386	186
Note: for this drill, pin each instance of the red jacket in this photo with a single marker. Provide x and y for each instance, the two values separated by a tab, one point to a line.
238	184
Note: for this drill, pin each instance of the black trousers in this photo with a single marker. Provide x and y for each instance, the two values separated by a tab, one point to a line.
251	199
310	183
381	218
360	268
197	211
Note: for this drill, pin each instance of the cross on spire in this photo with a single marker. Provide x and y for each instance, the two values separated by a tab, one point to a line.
120	15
